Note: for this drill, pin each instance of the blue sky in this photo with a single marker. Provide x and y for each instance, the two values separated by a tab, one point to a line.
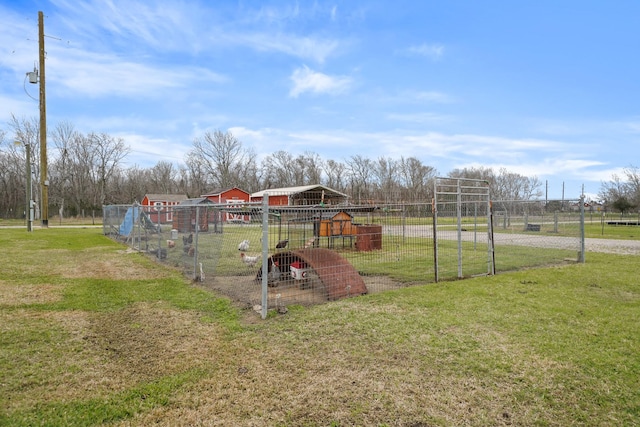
549	88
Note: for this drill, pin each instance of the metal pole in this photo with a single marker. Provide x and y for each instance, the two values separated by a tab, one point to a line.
434	212
29	208
265	254
492	247
44	182
459	215
581	257
195	242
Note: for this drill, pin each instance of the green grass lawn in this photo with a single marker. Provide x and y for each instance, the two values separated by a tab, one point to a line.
91	334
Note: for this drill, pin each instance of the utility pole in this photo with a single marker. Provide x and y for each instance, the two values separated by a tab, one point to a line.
44	181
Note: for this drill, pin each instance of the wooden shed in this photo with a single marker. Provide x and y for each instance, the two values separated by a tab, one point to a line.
339	224
184	218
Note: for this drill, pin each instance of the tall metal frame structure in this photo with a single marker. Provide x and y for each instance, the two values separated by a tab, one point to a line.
463	192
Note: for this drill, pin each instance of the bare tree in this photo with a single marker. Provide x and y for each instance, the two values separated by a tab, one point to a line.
12	179
622	188
386	179
194	176
309	169
60	167
27	132
162	178
221	156
130	185
633	184
359	169
513	186
336	173
109	152
504	185
416	179
279	170
251	177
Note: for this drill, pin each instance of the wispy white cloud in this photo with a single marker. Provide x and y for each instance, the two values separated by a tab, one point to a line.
94	74
334	13
19	106
306	80
573	168
299	46
144	147
161	25
254	135
430	50
418	117
431	97
634	125
169	26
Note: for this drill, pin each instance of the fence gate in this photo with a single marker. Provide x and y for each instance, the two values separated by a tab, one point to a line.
462	223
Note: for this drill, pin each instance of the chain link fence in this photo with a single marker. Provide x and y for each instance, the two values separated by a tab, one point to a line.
264	256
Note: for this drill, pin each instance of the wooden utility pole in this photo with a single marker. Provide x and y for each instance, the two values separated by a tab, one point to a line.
44	181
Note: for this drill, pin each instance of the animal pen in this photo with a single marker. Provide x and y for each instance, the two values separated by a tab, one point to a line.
271	257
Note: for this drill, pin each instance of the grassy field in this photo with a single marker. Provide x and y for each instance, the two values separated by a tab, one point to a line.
92	334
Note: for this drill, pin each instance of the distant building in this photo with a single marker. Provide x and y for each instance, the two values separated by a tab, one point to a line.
305	195
160	206
186	216
227	195
232	197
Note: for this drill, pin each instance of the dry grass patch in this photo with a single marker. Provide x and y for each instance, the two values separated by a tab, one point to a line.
88	263
146	340
97	354
19	294
116	265
292	374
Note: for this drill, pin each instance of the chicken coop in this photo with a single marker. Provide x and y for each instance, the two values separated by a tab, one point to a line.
333	226
185	217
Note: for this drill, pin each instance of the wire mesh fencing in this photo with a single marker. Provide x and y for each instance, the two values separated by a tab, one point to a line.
273	256
534	233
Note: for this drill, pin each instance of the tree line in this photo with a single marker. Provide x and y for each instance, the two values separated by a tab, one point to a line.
86	171
622	193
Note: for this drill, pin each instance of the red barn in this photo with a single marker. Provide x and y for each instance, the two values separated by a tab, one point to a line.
224	195
161	205
232	197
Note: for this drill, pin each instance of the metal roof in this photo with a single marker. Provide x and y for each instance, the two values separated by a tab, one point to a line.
196	201
290	191
166	197
219	191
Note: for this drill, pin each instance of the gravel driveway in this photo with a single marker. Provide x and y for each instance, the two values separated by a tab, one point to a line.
613	246
535	240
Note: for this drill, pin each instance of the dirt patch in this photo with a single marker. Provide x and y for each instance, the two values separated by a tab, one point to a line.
247	291
146	340
84	354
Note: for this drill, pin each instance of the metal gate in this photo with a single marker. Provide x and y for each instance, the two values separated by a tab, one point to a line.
463	222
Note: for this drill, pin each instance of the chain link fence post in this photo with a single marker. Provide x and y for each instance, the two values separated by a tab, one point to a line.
581	258
265	254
